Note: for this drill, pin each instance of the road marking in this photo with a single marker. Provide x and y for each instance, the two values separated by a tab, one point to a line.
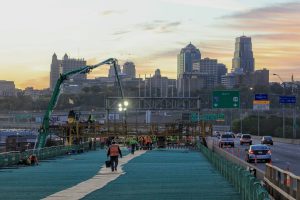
101	179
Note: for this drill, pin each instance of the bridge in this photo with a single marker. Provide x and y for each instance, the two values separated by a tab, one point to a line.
175	172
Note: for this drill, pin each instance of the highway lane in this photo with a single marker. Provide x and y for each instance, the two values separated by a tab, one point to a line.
284	156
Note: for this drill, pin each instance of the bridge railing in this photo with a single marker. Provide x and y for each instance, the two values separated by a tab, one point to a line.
14	157
248	186
282	184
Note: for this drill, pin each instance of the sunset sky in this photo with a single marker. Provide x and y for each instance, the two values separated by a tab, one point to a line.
148	32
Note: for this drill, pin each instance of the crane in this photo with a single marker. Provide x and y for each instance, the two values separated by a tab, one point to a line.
44	130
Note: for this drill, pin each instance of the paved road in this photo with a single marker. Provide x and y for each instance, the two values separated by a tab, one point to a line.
285	156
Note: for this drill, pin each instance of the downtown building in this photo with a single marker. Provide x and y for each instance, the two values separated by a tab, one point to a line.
188	60
195	74
243	71
159	86
7	88
129	69
65	65
243	55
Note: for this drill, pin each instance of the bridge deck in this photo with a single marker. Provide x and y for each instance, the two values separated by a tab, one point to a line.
157	174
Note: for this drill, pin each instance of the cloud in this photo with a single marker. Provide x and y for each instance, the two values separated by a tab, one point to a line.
111	12
159	26
120	33
278	10
283	18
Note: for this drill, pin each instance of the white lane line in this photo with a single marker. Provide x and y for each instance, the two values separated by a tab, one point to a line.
102	178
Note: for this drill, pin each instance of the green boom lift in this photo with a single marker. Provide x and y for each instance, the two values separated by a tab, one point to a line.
44	130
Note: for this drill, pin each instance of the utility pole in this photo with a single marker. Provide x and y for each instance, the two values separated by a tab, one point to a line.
283	107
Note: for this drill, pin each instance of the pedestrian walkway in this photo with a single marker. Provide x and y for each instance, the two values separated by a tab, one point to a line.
101	179
168	174
157	174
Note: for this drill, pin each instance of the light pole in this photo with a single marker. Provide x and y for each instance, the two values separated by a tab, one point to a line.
123	107
283	107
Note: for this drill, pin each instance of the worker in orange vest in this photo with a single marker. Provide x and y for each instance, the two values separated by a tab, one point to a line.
114	152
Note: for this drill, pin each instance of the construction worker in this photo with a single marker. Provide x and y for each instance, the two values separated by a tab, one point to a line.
133	144
114	152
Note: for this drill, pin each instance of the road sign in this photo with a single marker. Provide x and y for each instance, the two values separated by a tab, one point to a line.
207	117
261	105
287	99
261	102
226	99
260	97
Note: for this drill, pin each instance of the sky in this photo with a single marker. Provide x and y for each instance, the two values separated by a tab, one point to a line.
148	32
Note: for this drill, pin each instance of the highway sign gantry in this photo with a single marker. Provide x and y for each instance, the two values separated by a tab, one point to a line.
226	99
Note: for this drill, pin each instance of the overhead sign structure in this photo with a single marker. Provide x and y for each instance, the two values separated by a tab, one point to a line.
261	105
287	99
261	97
226	99
185	116
207	117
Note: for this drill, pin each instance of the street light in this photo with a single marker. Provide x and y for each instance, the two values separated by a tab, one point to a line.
283	113
123	107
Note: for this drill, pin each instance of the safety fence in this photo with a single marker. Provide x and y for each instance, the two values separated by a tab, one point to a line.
282	184
248	186
14	157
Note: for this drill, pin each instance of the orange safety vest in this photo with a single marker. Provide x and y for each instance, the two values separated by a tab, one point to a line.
114	150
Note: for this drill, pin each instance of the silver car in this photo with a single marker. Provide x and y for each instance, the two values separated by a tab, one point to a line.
258	152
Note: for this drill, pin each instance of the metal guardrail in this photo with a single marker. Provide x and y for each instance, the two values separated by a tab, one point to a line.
248	186
282	184
13	157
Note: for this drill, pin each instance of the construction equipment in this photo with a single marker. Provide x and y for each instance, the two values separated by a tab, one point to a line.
44	130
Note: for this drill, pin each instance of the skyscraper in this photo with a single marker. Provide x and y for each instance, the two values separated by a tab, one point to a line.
188	59
129	69
111	71
55	71
243	55
69	64
65	65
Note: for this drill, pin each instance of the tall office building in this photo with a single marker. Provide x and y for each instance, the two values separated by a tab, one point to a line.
243	55
212	67
111	71
69	64
129	69
55	71
65	65
188	60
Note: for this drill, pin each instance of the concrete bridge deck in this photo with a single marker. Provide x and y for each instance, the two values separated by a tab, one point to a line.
156	174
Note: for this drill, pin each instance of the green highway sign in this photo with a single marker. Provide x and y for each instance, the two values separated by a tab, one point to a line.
207	117
226	99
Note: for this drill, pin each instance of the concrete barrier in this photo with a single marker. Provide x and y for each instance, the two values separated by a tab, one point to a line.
259	173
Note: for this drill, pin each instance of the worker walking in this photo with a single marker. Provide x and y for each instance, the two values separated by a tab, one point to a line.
133	144
114	152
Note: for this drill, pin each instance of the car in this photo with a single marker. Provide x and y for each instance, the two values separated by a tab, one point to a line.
226	140
238	135
267	140
258	152
246	138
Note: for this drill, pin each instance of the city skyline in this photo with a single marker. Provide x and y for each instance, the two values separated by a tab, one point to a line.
95	31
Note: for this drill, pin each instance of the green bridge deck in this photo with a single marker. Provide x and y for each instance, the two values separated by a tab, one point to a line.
158	174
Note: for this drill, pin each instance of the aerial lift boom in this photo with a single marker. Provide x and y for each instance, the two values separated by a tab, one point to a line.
44	130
